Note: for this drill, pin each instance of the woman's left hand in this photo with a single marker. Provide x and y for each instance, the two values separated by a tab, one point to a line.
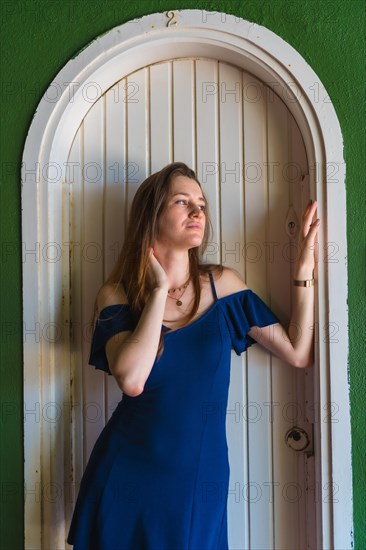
307	243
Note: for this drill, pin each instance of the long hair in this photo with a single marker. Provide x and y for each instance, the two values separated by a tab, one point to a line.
131	267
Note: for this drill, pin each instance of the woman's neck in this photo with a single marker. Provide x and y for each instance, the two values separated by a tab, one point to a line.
175	264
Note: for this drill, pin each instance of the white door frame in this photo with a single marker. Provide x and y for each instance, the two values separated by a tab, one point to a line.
153	38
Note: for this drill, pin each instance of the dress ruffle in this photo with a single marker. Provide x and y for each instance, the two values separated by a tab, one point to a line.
244	310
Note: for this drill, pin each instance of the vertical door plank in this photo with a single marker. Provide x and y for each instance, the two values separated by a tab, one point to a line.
92	265
232	223
286	493
259	362
207	138
230	166
74	469
184	138
138	132
114	205
161	115
298	182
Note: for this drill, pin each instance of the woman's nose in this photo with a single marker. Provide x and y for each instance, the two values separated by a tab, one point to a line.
195	210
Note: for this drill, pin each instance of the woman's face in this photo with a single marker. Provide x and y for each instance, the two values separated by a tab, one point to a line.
182	223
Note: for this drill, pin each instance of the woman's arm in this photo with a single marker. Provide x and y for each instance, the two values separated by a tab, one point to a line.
295	345
131	354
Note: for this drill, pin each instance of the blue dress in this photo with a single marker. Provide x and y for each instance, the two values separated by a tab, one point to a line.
157	477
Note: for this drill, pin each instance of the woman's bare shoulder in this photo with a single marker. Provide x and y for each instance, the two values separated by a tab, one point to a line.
111	294
229	282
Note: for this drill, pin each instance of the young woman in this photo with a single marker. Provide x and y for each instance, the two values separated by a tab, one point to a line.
165	327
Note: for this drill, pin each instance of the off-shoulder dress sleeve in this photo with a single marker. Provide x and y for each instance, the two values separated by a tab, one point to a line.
112	320
244	310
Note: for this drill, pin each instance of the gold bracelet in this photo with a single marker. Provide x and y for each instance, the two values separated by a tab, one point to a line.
307	282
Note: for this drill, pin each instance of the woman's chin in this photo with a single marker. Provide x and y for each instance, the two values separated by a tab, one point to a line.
195	244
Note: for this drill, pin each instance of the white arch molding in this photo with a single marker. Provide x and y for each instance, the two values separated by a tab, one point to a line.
77	86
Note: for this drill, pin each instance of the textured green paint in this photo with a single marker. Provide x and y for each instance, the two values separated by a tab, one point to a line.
38	38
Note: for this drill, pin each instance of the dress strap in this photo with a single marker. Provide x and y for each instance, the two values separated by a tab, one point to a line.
213	286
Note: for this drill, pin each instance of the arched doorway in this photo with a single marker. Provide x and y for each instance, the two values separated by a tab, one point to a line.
236	74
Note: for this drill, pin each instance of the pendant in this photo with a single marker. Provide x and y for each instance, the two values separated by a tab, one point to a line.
179	303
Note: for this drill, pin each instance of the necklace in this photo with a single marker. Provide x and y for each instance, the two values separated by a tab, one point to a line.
178	300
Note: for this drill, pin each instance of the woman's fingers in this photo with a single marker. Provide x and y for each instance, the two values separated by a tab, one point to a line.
310	208
307	237
308	215
159	274
311	235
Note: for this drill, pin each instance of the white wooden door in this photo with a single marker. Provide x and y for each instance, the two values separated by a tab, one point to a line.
250	158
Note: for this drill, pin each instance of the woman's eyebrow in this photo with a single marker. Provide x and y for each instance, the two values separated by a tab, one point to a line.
188	195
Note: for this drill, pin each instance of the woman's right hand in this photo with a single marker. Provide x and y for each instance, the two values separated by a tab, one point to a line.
159	278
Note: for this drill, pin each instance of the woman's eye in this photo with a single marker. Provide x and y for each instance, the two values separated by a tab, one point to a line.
202	206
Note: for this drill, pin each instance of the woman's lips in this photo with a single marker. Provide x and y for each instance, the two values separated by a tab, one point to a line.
194	226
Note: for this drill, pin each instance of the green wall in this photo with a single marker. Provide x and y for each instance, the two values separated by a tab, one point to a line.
38	38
